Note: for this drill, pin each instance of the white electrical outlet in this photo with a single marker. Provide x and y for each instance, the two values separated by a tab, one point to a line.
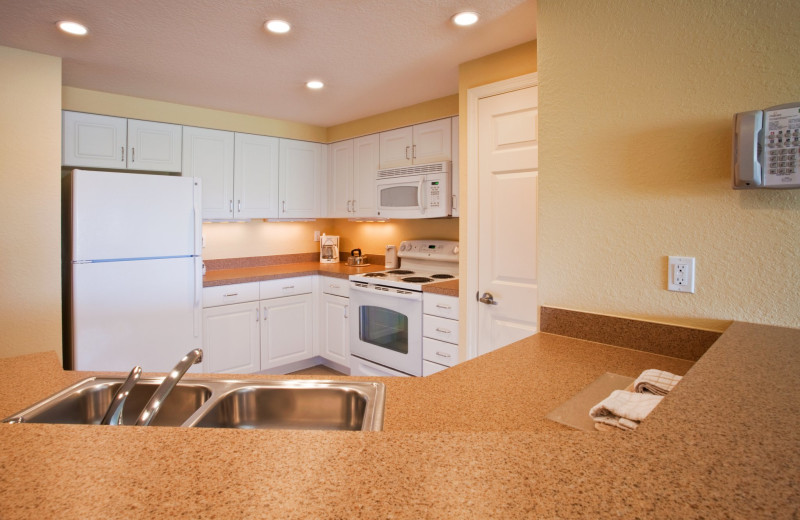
680	274
316	236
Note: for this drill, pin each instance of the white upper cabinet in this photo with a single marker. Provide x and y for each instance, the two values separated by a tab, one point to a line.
340	179
208	154
95	141
351	177
255	176
418	144
302	179
366	162
154	146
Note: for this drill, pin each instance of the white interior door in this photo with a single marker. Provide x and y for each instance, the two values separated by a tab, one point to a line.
507	210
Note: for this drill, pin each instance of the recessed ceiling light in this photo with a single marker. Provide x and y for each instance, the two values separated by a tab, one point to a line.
277	26
72	28
465	18
315	84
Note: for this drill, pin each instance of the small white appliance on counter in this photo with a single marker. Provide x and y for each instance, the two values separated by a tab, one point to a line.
386	326
419	191
135	271
391	260
329	249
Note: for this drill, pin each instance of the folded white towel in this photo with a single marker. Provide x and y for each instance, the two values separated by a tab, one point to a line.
623	409
656	382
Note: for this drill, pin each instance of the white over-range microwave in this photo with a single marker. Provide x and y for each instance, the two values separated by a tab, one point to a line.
419	191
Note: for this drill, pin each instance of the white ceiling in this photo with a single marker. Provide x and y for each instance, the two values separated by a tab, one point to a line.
373	55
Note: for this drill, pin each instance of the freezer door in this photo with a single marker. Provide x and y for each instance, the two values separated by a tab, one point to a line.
126	215
144	312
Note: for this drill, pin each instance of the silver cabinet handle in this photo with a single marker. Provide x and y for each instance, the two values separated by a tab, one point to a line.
354	205
414	152
133	154
407	147
346	310
440	306
454	201
265	314
230	205
442	354
289	287
444	331
487	298
349	206
258	316
123	153
239	206
284	206
334	286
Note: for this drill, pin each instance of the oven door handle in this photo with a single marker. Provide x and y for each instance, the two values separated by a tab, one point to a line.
390	292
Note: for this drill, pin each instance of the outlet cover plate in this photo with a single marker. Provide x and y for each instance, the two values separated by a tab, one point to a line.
680	274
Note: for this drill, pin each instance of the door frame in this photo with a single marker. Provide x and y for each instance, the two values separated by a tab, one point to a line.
474	95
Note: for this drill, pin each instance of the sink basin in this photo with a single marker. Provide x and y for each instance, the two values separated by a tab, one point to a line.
321	407
87	402
215	403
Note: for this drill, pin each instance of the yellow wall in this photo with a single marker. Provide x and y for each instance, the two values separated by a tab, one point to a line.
636	99
92	101
30	191
427	111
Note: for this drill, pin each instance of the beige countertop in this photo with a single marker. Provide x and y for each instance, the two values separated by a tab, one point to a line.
469	442
341	270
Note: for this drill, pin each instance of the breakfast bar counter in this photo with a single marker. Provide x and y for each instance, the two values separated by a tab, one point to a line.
469	442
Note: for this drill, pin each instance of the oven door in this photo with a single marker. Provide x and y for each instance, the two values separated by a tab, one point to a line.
386	327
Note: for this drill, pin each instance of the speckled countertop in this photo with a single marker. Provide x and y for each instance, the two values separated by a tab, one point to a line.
469	442
341	270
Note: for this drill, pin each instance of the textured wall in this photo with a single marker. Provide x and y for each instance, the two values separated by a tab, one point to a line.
636	101
30	202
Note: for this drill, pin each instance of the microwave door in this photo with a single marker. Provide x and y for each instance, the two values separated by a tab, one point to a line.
401	199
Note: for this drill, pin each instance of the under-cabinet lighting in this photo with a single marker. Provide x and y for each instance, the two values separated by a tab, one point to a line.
290	220
72	28
315	84
368	219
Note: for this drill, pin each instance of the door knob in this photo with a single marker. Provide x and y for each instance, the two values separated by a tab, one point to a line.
487	298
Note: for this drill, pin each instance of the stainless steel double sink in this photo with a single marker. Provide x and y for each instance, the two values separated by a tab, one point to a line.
296	404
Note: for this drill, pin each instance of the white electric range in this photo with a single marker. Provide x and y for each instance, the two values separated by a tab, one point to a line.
386	329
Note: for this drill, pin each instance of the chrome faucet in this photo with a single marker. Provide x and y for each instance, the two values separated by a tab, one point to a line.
154	404
114	414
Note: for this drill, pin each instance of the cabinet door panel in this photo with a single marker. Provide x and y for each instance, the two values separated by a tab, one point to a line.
366	161
93	141
231	339
340	179
395	147
286	330
208	154
301	179
255	178
154	146
335	333
432	142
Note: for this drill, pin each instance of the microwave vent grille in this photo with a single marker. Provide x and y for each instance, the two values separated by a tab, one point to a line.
417	169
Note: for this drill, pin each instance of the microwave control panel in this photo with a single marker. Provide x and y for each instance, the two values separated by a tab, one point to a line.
434	194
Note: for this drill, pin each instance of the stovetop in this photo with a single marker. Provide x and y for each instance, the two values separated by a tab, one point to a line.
424	262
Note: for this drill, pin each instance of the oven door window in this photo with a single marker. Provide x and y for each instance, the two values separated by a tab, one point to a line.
384	328
400	196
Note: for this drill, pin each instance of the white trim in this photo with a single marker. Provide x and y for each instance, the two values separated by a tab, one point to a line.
473	96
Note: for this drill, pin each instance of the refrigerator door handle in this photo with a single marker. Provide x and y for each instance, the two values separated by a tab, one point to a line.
198	291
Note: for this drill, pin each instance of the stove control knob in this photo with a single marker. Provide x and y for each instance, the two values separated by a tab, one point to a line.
402	247
455	250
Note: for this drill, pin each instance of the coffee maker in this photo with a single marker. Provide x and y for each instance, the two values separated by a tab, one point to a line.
329	249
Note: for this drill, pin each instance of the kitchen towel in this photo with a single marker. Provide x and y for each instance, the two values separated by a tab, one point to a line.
624	410
657	382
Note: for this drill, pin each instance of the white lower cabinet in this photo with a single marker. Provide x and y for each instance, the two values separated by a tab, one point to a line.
286	330
335	329
231	341
258	326
440	332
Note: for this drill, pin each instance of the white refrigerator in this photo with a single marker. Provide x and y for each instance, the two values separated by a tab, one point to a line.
136	270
